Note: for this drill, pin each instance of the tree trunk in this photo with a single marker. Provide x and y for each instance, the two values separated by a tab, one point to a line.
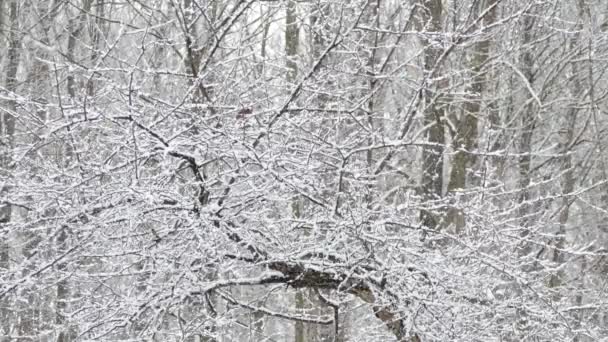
434	112
292	40
64	289
567	178
528	123
465	139
76	26
95	32
7	131
371	106
527	126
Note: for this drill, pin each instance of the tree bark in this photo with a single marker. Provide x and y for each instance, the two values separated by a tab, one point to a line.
292	40
527	126
430	13
76	26
7	131
465	138
65	290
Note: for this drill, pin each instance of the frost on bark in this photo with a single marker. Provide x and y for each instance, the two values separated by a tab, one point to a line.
292	40
7	131
527	124
76	27
199	45
465	136
567	143
433	108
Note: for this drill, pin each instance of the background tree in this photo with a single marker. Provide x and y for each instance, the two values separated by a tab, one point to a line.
7	127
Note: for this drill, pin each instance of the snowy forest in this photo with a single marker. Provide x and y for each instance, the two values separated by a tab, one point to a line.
303	170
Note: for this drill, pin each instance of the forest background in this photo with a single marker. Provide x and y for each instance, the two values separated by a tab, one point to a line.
303	170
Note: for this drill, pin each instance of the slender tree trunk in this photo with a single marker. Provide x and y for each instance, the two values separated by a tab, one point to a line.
465	139
5	209
194	55
194	52
292	40
7	131
76	26
95	32
67	332
264	42
371	106
430	13
3	31
567	178
65	290
527	125
578	300
567	185
36	309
